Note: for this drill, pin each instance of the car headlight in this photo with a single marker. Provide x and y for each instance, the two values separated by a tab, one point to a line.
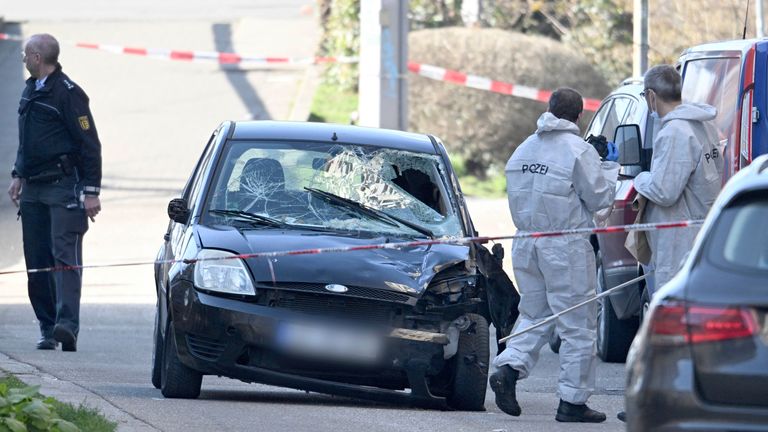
222	275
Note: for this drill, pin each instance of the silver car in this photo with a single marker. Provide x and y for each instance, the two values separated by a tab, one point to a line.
700	359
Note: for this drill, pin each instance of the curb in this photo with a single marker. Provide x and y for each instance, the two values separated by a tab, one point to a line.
69	392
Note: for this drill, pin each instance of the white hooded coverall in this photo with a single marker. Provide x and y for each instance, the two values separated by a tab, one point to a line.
555	180
683	182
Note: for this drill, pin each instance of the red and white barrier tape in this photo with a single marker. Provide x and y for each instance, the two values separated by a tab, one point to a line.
397	245
217	56
487	84
425	70
6	36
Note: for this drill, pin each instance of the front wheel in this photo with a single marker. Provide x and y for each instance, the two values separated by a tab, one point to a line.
178	380
470	367
157	351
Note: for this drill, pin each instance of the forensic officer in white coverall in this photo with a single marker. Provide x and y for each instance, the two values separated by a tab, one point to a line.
686	170
555	181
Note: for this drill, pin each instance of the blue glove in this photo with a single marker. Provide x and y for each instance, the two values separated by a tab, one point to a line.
613	152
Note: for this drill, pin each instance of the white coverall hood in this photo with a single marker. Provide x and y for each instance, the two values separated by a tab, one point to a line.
684	180
691	111
555	180
547	122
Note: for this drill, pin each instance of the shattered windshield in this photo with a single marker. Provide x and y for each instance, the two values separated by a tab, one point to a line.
334	187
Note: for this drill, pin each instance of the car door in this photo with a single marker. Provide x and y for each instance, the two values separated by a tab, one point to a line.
618	110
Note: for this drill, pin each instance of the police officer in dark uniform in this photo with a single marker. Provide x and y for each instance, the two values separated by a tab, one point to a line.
56	183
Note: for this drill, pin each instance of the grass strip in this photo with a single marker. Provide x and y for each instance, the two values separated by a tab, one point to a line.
86	418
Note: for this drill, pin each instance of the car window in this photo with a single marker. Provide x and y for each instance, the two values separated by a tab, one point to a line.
617	116
715	81
739	238
598	121
196	179
272	179
611	115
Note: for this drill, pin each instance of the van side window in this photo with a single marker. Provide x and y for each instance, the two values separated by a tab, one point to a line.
715	81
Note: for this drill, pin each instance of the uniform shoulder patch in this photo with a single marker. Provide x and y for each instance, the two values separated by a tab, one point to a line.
84	123
68	84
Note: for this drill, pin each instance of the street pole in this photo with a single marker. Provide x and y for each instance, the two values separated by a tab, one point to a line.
383	85
640	38
759	26
471	11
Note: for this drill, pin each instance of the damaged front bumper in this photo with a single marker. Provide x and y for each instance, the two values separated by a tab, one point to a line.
239	339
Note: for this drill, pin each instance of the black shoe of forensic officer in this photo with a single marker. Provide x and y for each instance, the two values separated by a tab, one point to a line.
503	383
66	337
46	343
572	413
622	415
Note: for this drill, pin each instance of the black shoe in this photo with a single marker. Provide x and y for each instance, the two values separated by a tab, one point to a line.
503	383
66	337
46	343
571	413
622	415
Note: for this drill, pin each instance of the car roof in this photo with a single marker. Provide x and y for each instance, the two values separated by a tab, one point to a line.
630	86
323	132
731	45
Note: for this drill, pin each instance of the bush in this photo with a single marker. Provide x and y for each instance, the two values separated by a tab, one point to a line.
484	128
22	410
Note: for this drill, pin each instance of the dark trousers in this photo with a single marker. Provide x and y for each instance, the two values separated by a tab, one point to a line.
53	225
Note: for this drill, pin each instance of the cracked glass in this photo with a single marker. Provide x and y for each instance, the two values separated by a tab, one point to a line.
335	187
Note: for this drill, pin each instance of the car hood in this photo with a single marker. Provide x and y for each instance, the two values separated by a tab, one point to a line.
407	270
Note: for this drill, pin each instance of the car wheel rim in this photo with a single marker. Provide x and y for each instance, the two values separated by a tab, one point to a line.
600	311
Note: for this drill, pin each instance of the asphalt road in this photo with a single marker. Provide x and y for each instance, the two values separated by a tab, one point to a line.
154	117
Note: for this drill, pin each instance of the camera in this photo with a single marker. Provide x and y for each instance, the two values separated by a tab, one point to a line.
600	143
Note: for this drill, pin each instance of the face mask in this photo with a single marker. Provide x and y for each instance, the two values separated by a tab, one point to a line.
654	112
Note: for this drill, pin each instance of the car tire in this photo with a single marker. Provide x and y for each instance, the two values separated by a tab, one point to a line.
645	304
157	351
178	380
470	368
614	336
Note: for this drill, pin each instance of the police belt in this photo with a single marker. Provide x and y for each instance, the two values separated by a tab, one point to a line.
47	176
64	167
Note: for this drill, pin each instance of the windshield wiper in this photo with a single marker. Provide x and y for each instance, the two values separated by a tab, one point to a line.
369	211
250	217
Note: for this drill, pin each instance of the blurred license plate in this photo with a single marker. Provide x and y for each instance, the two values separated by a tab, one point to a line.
326	342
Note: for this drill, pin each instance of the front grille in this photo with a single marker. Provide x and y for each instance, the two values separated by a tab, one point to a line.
354	291
204	347
337	306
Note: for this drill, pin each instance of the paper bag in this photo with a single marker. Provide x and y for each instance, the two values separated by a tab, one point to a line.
637	241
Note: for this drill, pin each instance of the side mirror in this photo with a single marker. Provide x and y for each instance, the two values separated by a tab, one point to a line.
178	211
627	140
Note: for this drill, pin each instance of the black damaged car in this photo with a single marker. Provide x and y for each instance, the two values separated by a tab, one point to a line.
405	324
